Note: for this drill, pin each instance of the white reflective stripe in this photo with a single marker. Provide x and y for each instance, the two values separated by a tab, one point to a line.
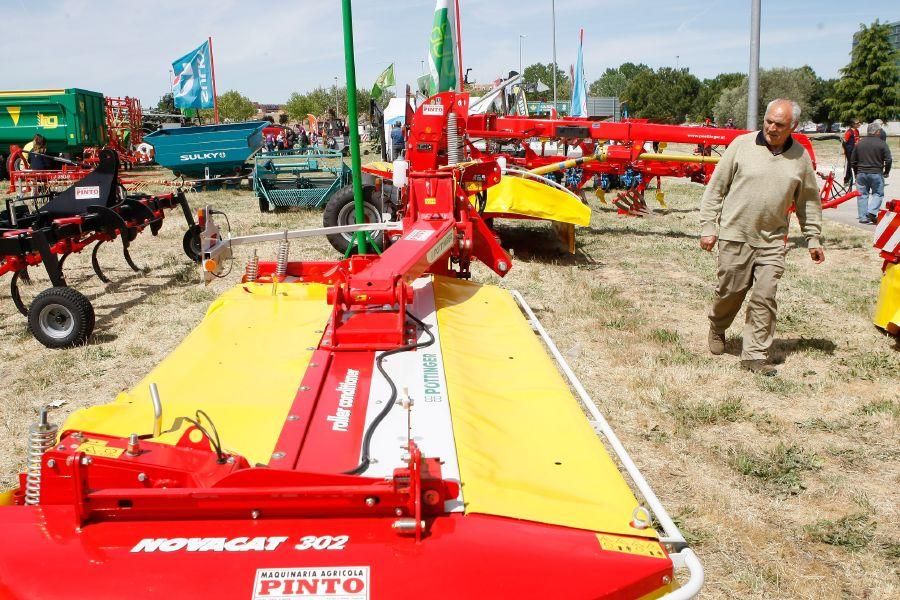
890	221
432	427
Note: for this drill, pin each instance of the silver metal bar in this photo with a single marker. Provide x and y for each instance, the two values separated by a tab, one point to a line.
302	233
157	410
684	557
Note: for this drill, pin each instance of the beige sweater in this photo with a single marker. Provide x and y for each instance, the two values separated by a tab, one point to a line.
751	190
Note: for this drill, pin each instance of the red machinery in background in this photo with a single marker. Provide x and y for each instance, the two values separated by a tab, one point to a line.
124	125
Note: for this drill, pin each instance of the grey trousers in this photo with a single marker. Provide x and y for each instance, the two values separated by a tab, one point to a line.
742	268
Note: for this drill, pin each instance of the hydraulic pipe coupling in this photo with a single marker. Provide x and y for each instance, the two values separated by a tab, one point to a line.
282	259
41	438
251	273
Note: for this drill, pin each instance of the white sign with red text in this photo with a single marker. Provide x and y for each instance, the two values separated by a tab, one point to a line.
87	192
318	583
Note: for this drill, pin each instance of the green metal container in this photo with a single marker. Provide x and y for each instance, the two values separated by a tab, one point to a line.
70	120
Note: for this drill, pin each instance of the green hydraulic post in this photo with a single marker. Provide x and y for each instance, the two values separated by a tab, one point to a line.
353	126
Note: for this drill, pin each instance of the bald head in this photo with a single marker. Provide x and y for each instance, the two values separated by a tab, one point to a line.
782	117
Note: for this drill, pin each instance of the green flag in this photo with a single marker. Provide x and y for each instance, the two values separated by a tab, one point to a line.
385	80
442	60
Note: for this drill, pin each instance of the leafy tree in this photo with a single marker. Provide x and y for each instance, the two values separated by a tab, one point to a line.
544	73
711	90
320	100
665	95
870	85
820	111
166	104
614	81
796	84
235	107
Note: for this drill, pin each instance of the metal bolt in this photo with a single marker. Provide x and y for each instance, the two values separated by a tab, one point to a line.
293	418
398	512
304	388
134	445
502	266
278	455
254	514
51	463
310	348
312	364
86	460
666	579
142	477
61	447
371	501
230	460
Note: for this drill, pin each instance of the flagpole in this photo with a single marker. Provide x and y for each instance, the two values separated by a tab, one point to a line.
353	125
212	66
459	81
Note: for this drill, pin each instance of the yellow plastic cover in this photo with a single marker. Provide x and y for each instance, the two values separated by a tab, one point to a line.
515	195
887	310
241	365
525	448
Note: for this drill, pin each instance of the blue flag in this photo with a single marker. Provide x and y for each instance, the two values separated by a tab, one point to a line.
193	85
579	93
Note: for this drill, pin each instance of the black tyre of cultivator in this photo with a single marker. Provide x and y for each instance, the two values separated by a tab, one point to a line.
60	317
191	243
339	210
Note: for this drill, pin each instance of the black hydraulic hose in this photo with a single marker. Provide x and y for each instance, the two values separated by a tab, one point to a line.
365	461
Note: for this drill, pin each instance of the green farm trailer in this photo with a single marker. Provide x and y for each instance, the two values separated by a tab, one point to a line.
70	119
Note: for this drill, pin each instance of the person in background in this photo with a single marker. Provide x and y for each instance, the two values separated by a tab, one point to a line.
304	138
729	124
744	211
270	142
881	132
851	138
871	161
279	140
35	155
397	141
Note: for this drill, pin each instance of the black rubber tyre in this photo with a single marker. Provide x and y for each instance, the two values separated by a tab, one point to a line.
60	317
191	243
339	210
264	205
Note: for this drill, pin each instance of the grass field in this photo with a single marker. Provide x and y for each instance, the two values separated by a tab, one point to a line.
786	487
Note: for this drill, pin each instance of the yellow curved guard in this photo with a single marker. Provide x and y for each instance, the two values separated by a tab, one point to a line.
887	310
525	448
515	195
241	365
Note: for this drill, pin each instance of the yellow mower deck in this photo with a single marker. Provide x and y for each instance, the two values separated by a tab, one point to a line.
525	449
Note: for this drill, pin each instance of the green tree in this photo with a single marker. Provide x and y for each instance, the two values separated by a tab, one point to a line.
711	90
235	107
166	104
795	84
614	81
319	100
868	87
820	111
665	95
544	74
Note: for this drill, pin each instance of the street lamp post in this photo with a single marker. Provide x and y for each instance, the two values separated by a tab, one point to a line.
522	37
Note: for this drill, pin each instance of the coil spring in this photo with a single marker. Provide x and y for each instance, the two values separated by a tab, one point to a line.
452	140
282	259
252	270
41	438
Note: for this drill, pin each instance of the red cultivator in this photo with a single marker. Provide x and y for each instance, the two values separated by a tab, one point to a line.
124	125
94	210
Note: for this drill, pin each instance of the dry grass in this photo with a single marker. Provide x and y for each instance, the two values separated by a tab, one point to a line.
786	487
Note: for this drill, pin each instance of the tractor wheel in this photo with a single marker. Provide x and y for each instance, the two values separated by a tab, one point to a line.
191	243
60	317
264	205
339	210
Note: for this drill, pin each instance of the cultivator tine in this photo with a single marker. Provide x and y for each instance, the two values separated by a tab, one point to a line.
14	290
96	264
128	260
62	260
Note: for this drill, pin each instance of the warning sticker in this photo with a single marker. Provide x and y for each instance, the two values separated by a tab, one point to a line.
99	448
419	235
87	192
616	543
433	109
319	583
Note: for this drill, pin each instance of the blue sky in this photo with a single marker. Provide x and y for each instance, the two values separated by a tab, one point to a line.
268	50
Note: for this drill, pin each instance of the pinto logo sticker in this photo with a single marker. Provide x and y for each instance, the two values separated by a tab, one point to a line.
87	192
436	110
319	583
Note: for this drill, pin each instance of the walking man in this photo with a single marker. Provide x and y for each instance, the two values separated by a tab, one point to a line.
871	161
851	138
744	211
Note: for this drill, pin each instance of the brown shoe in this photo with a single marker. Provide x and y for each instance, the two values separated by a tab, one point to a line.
716	341
760	367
